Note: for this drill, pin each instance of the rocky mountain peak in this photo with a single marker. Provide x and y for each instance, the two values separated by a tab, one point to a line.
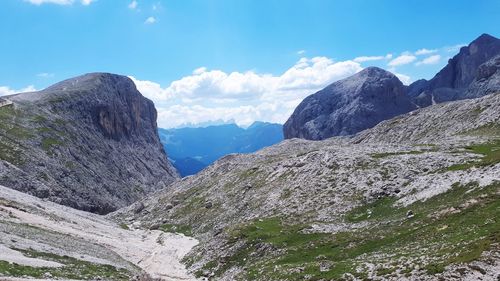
349	106
90	142
485	39
452	81
93	80
117	108
374	72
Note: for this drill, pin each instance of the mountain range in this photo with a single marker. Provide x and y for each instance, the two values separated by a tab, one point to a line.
193	149
372	183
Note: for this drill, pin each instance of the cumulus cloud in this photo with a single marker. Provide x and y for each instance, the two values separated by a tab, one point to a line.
402	60
425	51
430	60
243	96
405	79
372	58
132	5
150	20
454	48
210	94
45	75
59	2
5	91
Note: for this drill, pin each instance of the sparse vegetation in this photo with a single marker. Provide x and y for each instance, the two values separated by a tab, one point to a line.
72	268
176	228
49	143
387	154
124	226
292	253
490	156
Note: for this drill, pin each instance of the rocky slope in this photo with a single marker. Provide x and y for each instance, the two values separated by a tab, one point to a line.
90	142
349	106
44	240
453	81
439	122
414	198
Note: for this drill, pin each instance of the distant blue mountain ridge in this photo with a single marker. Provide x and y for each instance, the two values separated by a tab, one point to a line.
192	149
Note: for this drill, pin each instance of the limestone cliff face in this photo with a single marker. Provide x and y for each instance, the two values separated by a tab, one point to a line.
89	142
349	106
452	82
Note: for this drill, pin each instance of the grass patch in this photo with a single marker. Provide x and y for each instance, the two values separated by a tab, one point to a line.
388	154
491	129
11	124
379	209
177	228
49	143
72	269
124	226
490	156
10	153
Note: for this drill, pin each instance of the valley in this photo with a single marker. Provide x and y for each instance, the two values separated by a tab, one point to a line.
375	180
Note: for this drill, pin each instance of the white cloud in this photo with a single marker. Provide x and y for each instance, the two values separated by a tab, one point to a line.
372	58
208	95
199	70
59	2
455	48
405	79
402	60
152	90
243	96
425	51
150	20
45	75
132	5
301	52
430	60
5	91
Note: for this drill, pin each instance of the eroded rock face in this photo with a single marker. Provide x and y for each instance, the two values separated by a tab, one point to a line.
349	106
452	82
487	80
90	142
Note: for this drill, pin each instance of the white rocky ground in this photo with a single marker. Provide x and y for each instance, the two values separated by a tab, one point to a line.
85	236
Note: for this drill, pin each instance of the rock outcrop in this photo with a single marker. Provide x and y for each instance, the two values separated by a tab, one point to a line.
90	142
487	80
349	106
452	82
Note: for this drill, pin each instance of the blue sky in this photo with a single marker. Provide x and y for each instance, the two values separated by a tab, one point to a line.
232	59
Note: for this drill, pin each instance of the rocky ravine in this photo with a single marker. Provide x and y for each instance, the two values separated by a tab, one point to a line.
415	198
90	142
